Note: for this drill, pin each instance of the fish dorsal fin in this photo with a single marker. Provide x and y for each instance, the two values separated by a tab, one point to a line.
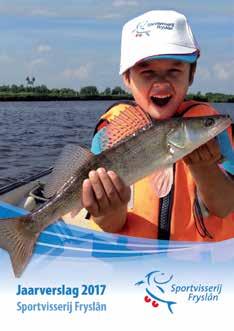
128	122
71	158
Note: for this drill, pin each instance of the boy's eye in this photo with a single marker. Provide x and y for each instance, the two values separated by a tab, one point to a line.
174	71
147	72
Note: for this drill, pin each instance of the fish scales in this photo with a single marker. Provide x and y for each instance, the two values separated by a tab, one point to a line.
138	156
137	153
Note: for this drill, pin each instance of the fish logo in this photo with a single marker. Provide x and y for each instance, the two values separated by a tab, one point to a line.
155	283
141	29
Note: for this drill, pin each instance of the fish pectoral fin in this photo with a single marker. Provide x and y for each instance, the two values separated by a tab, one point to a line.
162	181
18	241
71	158
160	289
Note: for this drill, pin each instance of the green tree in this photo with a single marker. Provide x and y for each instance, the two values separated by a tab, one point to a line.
4	88
42	89
55	91
14	88
107	91
89	91
68	92
118	91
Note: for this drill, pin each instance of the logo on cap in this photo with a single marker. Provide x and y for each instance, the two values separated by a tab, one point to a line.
141	29
145	27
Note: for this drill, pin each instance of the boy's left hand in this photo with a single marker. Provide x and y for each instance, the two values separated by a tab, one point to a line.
204	155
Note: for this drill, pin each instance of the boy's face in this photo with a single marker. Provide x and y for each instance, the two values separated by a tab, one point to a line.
159	86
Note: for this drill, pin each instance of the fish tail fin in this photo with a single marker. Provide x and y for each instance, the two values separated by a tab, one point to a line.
18	239
170	303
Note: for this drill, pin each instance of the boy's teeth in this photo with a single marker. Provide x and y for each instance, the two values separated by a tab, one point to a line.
161	96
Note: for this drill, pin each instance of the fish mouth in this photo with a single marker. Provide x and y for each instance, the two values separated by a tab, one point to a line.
161	100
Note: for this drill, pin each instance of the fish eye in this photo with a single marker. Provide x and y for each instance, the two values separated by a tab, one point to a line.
209	122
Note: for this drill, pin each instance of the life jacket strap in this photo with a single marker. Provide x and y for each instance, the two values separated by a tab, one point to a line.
165	210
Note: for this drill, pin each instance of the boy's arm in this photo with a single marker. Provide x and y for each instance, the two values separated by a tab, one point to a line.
216	188
104	194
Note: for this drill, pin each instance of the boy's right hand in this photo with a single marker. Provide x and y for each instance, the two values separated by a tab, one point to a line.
104	193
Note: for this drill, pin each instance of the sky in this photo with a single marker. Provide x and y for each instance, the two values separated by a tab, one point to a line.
74	43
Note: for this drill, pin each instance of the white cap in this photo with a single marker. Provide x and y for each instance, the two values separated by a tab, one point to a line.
158	33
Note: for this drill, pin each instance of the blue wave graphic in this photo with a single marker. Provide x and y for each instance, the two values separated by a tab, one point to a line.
70	241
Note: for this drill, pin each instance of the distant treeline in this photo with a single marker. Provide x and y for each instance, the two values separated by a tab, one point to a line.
31	93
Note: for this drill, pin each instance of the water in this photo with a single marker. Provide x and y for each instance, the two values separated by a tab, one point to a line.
32	134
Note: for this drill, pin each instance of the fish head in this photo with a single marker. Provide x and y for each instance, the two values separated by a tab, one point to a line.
159	278
187	134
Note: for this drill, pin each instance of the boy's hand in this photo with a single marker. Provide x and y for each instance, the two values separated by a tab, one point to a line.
204	155
104	193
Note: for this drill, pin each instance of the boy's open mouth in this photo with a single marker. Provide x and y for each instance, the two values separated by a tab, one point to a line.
160	100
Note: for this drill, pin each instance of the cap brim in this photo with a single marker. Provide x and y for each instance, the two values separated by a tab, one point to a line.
183	57
189	58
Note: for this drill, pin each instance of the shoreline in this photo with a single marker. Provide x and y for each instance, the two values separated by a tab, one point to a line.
47	98
56	98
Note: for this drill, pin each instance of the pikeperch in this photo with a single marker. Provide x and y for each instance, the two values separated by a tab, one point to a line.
147	145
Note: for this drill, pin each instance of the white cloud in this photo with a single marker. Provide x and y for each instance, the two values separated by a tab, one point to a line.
203	73
81	73
26	8
37	62
43	48
224	71
5	58
109	16
125	3
70	9
43	12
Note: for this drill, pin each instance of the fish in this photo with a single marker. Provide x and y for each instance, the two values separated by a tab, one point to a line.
133	145
155	284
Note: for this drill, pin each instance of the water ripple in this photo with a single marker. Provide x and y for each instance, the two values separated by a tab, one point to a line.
32	134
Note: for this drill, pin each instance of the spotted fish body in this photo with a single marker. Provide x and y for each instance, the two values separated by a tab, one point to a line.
132	155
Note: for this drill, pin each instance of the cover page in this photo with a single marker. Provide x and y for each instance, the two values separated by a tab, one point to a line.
144	89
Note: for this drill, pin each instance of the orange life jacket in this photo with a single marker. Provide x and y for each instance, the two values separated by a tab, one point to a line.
178	216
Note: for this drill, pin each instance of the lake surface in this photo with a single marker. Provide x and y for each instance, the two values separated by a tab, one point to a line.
32	134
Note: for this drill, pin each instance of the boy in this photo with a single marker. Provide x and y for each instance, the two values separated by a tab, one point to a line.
193	202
